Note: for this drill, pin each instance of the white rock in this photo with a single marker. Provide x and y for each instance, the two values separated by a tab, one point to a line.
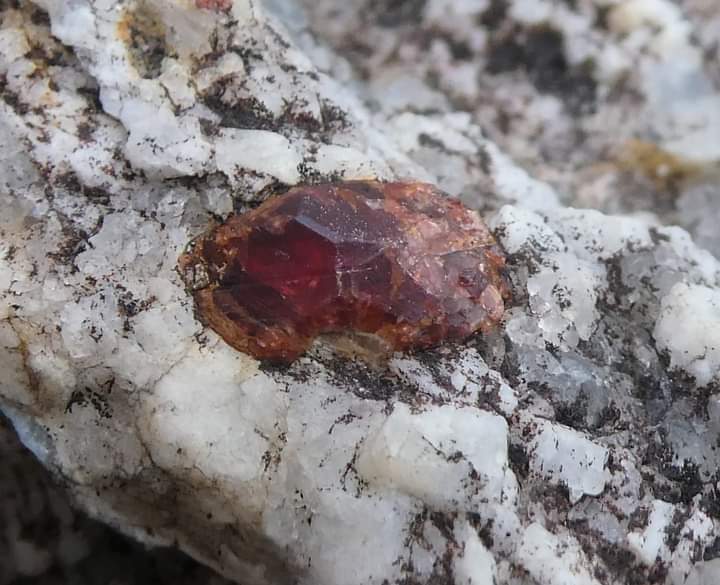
327	472
178	83
593	235
13	44
521	228
650	544
688	327
564	296
351	163
241	408
476	565
550	562
698	530
432	454
705	573
259	151
515	185
172	147
6	276
14	378
566	457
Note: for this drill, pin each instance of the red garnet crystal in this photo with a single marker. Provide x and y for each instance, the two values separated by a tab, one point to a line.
400	261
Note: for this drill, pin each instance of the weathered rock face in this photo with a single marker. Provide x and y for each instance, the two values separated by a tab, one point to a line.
44	541
575	445
400	263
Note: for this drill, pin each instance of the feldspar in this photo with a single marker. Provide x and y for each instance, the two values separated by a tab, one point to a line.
575	444
399	261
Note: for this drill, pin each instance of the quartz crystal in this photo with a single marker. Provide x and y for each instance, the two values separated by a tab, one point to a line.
400	261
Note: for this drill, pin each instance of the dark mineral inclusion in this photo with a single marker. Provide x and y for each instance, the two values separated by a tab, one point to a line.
401	262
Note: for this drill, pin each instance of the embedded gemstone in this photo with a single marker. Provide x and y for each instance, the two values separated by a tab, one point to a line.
398	261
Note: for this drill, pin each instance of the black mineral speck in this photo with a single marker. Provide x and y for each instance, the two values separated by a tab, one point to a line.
539	51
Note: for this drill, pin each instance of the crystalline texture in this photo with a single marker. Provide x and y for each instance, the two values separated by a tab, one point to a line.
397	260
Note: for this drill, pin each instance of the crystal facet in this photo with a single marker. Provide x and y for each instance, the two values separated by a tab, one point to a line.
401	261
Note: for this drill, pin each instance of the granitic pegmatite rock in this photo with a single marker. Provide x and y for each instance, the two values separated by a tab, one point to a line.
575	446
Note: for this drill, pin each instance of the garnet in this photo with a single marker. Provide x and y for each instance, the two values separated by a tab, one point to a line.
400	261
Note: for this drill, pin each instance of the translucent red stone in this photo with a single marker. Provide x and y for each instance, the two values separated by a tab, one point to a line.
401	261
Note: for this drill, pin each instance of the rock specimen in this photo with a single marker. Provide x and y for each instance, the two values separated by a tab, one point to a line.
577	445
399	260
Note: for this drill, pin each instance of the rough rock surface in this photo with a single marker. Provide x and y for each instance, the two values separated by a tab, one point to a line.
45	542
616	103
578	446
